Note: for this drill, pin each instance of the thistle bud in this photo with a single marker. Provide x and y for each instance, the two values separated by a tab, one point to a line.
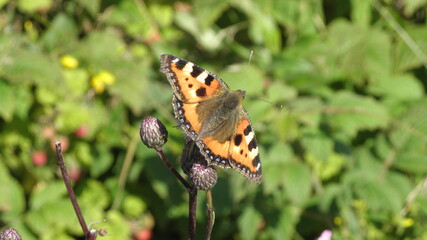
153	133
10	234
203	177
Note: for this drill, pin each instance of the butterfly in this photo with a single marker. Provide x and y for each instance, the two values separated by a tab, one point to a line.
213	117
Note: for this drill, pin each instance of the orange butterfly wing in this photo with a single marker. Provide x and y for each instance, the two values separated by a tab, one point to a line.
243	153
192	85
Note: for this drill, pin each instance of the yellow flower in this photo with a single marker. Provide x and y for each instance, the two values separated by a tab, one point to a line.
338	221
100	80
107	77
68	61
359	204
406	222
28	25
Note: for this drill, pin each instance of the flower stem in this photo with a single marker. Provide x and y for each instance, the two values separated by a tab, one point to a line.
192	194
88	234
192	206
172	170
211	215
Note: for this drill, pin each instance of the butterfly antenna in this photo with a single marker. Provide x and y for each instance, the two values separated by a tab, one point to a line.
247	68
279	106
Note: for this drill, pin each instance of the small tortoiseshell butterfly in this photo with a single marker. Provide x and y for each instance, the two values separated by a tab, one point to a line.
213	116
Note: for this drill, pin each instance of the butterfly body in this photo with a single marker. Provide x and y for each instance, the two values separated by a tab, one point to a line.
213	117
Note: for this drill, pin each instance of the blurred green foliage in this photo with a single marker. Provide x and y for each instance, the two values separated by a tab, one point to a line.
348	152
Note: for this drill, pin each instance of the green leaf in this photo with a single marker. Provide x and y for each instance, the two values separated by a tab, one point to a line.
359	52
264	30
61	34
297	181
209	38
401	87
307	110
249	79
133	86
133	206
101	162
83	153
162	13
278	156
31	6
362	12
12	201
92	6
318	145
77	81
285	225
94	195
208	11
49	192
72	116
101	50
23	106
330	193
411	161
248	222
407	57
379	196
135	19
30	67
400	182
351	113
7	101
58	214
278	92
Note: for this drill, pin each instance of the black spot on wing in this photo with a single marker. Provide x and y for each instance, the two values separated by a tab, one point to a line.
201	92
256	161
196	71
190	85
238	139
209	79
247	130
180	64
252	144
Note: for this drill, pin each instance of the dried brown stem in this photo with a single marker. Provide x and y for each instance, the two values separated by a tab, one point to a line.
88	234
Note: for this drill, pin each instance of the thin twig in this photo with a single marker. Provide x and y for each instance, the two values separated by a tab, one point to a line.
192	193
88	234
402	33
412	196
211	215
192	207
172	170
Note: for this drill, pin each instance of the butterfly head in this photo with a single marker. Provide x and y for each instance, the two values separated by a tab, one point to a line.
234	99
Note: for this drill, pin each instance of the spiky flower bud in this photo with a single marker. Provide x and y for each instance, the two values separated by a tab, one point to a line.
10	234
153	133
203	177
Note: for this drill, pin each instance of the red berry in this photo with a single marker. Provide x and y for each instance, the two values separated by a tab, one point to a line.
143	234
82	131
75	174
39	158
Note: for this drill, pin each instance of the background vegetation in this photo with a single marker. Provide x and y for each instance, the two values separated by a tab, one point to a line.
347	153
